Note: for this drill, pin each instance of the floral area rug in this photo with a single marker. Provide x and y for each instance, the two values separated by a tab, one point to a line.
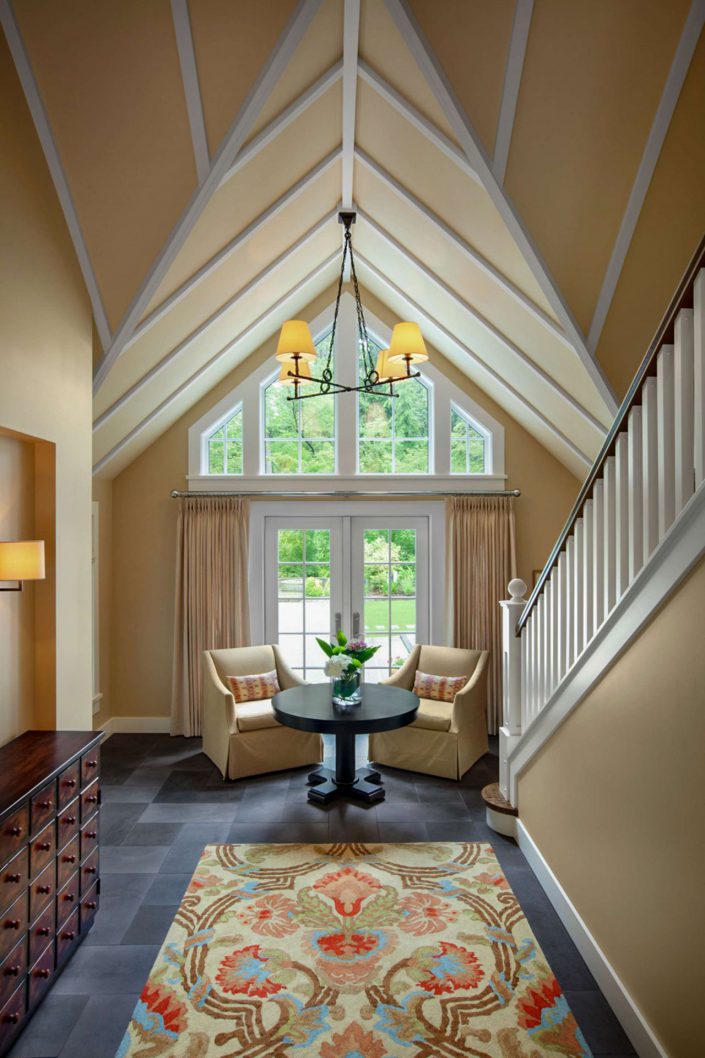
351	951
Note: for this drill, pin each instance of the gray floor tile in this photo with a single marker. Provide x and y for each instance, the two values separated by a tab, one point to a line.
182	858
125	885
100	1027
458	830
110	969
150	924
127	794
208	833
166	889
132	859
153	834
393	832
117	820
442	812
185	813
278	833
50	1027
113	919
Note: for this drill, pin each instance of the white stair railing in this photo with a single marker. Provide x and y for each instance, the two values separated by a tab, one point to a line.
652	463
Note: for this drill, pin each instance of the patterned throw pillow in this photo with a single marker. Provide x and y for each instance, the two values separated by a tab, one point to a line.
439	688
254	688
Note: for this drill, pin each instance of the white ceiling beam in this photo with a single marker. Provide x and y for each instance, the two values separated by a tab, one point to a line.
295	291
468	139
471	254
199	331
482	368
283	120
351	35
222	160
488	327
416	118
512	81
289	196
192	92
682	58
51	153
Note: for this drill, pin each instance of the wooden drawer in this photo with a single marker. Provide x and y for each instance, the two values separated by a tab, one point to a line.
15	831
68	823
67	899
12	970
90	766
41	974
13	880
67	862
42	891
41	931
42	850
12	1015
43	807
13	925
68	783
89	871
66	938
89	836
89	908
90	799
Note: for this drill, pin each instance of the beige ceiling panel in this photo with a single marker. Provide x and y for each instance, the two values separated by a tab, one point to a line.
476	288
512	405
381	46
471	41
254	188
111	83
321	47
205	300
433	178
232	43
443	308
299	264
593	76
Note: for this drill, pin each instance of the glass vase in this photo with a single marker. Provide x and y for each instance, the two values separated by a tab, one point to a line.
345	690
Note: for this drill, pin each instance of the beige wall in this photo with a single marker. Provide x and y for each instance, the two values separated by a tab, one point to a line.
671	225
144	524
45	352
615	802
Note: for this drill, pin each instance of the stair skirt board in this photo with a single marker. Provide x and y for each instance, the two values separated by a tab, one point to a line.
625	1009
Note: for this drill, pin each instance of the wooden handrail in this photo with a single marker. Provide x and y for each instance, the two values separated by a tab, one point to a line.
683	298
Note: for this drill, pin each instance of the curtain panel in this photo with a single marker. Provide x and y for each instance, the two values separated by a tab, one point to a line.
212	605
481	560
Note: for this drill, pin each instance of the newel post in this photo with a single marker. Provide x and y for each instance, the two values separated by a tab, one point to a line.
510	731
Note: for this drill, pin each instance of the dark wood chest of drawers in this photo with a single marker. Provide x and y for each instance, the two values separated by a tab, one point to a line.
49	867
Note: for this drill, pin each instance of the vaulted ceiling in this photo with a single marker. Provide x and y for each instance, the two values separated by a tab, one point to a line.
497	152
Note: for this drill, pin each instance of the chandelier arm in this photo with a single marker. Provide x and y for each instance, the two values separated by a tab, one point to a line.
361	325
346	244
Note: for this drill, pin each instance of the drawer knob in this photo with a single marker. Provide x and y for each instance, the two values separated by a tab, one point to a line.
69	859
14	878
46	804
92	834
70	897
91	870
70	783
15	831
71	935
12	923
43	931
91	763
43	888
92	800
42	973
43	846
12	971
11	1019
69	820
91	905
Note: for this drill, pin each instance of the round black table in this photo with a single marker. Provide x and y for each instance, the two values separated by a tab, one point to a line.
310	708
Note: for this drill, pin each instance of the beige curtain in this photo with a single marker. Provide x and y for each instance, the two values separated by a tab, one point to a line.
481	560
212	605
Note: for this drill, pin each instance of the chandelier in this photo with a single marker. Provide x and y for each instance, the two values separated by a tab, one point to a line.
297	355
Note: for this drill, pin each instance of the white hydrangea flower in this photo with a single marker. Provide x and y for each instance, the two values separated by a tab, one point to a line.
336	666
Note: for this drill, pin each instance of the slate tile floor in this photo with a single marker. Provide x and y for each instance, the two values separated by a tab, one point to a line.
163	801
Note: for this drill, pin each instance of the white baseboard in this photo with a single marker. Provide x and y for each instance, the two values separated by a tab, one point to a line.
632	1021
136	725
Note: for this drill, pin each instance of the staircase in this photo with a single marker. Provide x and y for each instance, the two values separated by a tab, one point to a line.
637	528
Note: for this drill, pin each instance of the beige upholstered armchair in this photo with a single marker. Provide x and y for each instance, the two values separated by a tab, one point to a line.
245	738
447	737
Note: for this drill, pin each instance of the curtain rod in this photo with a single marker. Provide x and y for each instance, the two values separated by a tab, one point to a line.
175	494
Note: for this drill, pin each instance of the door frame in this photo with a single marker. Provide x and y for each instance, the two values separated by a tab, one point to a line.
434	510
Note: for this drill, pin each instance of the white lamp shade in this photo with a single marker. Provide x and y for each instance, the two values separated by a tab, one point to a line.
407	344
387	368
22	560
301	368
295	338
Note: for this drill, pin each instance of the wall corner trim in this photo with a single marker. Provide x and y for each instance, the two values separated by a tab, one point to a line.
136	725
625	1009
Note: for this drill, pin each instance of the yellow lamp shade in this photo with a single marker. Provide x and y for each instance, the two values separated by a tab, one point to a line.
22	560
295	338
387	368
407	344
302	368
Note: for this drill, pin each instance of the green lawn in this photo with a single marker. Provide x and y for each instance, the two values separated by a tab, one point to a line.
377	614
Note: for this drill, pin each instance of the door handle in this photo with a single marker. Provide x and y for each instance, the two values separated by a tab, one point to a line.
338	621
356	625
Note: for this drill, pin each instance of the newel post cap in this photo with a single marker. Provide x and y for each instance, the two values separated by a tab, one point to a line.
517	589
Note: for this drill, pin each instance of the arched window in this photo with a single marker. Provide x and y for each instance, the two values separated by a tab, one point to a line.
224	446
393	432
469	446
299	436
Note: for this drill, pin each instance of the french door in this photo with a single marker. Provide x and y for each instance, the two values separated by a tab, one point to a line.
368	575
